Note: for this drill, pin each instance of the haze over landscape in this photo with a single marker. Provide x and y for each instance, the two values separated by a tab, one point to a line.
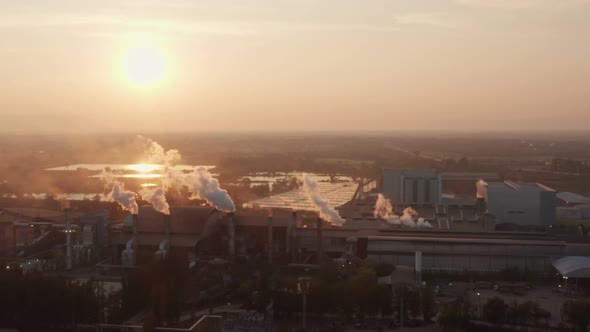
452	65
295	165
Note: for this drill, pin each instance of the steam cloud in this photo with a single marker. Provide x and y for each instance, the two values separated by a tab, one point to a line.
157	198
204	186
124	197
199	182
312	190
384	210
157	155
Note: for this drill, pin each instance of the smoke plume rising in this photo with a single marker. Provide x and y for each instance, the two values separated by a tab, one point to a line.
384	210
199	181
124	197
157	198
421	223
157	155
204	186
312	189
383	207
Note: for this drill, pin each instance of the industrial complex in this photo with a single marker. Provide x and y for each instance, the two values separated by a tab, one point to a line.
412	219
503	225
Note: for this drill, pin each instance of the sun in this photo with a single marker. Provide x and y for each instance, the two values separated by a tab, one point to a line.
144	65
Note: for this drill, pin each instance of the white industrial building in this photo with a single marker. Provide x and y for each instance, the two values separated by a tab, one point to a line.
412	186
524	204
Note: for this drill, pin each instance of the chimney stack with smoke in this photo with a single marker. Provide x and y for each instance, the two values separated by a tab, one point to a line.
164	247
135	239
68	238
326	211
289	233
270	246
418	267
320	253
293	235
167	216
129	254
231	229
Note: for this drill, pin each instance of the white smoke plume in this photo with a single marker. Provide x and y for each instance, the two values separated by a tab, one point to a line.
204	186
124	197
199	182
383	207
108	178
407	218
384	210
157	155
421	223
409	213
157	198
312	190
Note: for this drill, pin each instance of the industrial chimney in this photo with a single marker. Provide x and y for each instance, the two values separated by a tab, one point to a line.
418	267
164	246
68	238
135	239
270	246
129	254
320	253
291	235
231	228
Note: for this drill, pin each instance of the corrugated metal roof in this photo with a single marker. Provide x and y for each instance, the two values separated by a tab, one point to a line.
573	266
337	194
573	198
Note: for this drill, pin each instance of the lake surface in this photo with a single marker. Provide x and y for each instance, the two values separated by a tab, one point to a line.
272	178
124	167
153	172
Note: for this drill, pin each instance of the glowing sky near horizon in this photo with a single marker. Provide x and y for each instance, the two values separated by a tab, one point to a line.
298	65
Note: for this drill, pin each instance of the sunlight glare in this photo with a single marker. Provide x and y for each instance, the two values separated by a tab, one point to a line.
144	168
144	65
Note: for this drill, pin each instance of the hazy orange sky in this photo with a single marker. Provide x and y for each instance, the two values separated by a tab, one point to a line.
271	64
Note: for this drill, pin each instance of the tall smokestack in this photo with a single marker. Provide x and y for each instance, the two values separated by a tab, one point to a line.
320	244
167	217
270	247
164	247
292	236
135	239
68	239
418	267
231	228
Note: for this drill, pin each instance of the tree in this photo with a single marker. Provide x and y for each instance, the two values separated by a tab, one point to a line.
576	313
37	303
452	319
363	284
494	310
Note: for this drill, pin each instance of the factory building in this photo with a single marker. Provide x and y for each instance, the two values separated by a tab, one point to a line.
451	236
523	204
412	186
299	238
